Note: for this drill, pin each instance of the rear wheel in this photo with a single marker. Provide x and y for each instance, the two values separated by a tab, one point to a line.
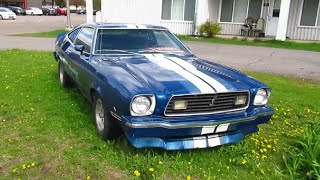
106	125
32	14
64	78
1	17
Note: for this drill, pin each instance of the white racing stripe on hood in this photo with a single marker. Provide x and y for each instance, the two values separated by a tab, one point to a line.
189	67
163	62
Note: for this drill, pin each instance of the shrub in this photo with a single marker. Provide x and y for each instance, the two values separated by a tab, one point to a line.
209	29
244	39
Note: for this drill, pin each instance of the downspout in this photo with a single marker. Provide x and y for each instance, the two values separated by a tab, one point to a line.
195	19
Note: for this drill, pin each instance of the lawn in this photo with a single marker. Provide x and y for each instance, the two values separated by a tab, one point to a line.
235	41
46	131
48	34
315	46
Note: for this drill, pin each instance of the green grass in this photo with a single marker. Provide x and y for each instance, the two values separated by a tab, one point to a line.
46	131
315	46
49	34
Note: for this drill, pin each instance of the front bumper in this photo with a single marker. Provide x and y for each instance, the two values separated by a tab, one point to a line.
189	132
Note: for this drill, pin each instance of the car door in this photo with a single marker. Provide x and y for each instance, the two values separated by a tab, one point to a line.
68	54
82	59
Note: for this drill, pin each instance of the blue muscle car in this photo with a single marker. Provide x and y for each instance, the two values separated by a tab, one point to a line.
141	80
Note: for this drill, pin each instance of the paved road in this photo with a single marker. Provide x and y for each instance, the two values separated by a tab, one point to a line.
302	64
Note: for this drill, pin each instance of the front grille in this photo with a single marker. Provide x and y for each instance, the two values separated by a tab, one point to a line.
207	103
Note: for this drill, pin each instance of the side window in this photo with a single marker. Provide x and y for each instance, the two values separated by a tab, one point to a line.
85	38
72	36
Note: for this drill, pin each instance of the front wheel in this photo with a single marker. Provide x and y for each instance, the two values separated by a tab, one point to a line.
106	125
64	78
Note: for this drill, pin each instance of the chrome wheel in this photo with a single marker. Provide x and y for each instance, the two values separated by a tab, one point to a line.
99	115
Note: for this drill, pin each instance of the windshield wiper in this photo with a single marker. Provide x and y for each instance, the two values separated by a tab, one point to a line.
116	50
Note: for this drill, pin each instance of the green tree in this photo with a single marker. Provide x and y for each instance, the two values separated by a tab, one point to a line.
60	3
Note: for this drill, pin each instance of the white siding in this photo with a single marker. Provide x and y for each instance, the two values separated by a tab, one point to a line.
230	28
296	32
134	11
144	12
178	27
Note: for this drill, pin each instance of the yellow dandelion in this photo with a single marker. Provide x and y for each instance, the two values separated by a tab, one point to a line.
23	166
244	161
15	170
32	109
189	162
28	166
269	146
265	150
228	167
33	164
136	173
188	177
261	150
151	169
160	162
88	177
4	120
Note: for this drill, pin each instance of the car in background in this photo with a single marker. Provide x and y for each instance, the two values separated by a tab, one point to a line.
33	11
84	11
17	10
6	13
61	11
74	9
143	81
49	11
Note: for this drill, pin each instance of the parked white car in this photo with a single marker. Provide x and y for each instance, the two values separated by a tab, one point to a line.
33	11
5	13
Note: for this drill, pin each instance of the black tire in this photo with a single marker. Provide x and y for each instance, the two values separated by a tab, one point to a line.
32	14
64	78
109	128
1	17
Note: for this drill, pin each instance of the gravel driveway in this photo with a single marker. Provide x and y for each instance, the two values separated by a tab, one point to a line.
302	64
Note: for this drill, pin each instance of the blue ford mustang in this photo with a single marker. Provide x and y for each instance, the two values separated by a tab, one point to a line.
141	80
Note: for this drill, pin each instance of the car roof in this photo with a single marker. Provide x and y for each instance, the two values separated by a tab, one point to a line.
124	26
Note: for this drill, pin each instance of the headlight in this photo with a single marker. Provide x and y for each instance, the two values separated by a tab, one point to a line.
261	97
142	105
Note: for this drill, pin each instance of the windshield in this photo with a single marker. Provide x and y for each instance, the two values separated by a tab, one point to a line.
4	10
114	41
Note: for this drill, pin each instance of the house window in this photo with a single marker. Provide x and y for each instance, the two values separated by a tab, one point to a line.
179	10
238	10
310	15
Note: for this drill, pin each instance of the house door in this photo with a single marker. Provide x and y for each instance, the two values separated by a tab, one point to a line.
273	17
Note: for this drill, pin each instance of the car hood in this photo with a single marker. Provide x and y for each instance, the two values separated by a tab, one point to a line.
8	13
172	74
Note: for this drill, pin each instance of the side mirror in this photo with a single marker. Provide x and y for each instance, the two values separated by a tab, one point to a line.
79	48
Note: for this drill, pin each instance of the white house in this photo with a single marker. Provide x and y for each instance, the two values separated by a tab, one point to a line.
295	19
